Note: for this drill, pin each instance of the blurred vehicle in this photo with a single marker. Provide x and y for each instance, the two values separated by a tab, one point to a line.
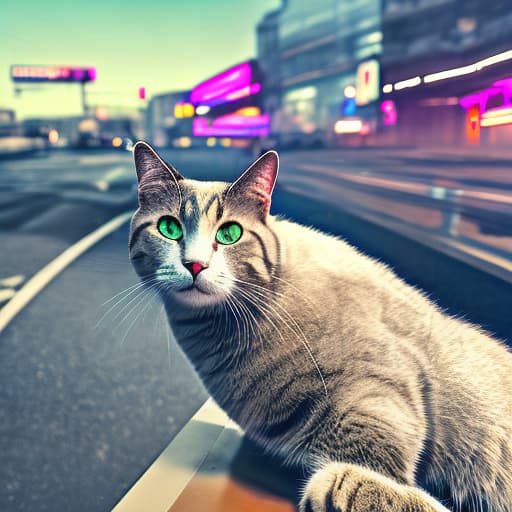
115	133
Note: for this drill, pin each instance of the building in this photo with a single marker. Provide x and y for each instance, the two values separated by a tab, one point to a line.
228	105
445	63
8	125
319	47
167	123
267	35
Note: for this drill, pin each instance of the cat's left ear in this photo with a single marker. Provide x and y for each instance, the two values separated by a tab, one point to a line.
254	187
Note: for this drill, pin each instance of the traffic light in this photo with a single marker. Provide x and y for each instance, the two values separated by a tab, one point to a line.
142	93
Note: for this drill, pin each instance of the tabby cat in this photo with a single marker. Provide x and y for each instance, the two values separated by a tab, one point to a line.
322	354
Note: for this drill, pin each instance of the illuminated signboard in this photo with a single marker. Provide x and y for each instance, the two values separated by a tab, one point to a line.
489	107
231	85
390	115
183	109
473	124
232	126
367	82
20	73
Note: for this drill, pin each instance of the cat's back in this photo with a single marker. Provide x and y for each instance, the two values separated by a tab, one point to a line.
327	265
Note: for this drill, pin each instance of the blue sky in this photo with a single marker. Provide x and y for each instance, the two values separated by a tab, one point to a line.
162	45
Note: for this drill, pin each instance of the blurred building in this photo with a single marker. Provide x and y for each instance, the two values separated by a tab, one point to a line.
228	107
316	49
81	131
166	122
445	63
269	60
8	125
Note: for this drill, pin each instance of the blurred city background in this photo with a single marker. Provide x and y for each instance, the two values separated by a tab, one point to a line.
393	119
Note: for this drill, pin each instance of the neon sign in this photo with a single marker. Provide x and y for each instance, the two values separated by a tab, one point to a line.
478	102
183	109
367	83
21	73
388	108
233	84
232	126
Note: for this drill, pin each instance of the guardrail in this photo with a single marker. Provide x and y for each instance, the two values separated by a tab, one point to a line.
472	222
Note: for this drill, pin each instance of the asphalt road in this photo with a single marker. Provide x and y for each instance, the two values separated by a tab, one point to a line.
91	393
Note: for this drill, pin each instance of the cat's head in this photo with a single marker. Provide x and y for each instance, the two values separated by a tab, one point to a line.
199	241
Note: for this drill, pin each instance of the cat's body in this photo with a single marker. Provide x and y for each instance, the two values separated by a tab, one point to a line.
326	357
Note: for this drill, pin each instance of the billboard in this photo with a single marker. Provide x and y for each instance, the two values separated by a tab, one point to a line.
22	73
367	82
232	125
231	85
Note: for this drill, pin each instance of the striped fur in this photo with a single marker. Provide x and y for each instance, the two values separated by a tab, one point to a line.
324	355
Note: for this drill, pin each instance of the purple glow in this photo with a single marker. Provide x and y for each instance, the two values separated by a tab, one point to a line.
243	92
480	98
234	121
217	89
201	128
22	73
388	107
78	74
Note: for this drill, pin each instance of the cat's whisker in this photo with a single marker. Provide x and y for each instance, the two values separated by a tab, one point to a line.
235	316
140	293
136	285
273	291
296	290
152	293
292	287
298	330
246	318
127	293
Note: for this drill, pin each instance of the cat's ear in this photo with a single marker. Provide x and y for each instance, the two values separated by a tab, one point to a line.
254	187
154	175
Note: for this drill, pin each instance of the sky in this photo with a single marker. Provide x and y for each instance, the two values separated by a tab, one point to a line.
163	45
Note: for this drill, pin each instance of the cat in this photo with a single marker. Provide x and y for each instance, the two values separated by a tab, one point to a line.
321	353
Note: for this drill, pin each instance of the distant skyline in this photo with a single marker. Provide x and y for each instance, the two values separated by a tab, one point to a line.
164	46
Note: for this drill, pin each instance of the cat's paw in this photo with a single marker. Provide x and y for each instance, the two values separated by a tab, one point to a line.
342	487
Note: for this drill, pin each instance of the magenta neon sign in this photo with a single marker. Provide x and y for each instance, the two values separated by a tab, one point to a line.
236	121
225	127
481	98
22	73
388	108
233	84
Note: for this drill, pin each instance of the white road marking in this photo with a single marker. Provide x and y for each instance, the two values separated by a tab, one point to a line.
37	282
6	294
12	281
101	159
160	486
104	183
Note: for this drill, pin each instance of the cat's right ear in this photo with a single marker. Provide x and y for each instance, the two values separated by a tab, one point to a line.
156	178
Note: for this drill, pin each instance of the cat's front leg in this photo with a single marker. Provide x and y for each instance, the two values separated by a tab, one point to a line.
340	487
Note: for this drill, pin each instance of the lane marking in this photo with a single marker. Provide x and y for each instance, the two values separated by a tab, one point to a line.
103	184
12	281
6	294
162	483
41	278
102	159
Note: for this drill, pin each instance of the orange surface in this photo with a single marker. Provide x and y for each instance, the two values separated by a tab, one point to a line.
237	477
222	493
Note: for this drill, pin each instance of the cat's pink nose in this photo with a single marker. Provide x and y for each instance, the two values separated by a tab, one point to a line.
195	267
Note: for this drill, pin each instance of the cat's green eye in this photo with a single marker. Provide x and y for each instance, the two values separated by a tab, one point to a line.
229	233
170	228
